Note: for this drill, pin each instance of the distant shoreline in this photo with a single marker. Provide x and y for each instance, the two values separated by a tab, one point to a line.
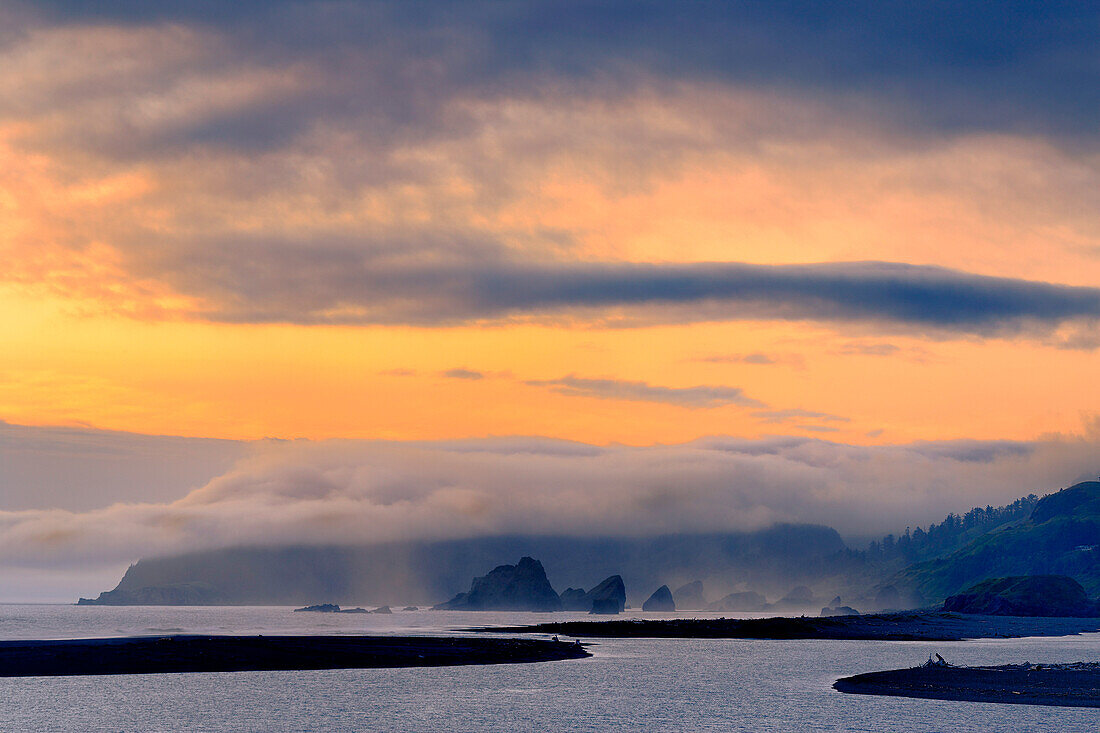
1074	685
187	653
914	626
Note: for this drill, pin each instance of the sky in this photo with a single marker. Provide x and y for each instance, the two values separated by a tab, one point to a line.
711	265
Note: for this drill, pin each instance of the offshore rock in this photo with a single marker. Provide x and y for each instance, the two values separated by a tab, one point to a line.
605	606
690	596
661	600
572	599
519	587
799	597
839	611
743	601
611	593
319	608
172	594
611	590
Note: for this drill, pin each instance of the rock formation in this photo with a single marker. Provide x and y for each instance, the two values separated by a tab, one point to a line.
330	608
610	590
839	611
572	599
661	600
690	596
519	587
320	608
799	597
742	601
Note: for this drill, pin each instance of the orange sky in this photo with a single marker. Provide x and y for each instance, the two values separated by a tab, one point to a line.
103	325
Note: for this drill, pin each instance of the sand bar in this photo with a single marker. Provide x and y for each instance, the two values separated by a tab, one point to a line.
186	653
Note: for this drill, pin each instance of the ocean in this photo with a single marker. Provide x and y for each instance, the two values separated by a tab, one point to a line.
628	685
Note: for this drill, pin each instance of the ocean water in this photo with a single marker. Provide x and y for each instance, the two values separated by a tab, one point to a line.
630	684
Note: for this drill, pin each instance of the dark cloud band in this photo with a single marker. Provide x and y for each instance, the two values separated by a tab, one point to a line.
344	288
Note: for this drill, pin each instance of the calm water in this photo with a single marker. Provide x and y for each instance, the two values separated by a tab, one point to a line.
671	684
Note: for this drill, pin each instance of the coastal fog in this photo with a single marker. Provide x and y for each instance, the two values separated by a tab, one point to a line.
538	492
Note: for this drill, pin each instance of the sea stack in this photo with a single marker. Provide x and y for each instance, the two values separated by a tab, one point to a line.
661	600
690	595
611	593
519	587
746	600
609	596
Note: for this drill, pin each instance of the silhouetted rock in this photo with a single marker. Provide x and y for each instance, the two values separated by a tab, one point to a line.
172	594
382	609
690	596
331	608
741	601
606	606
839	611
573	599
520	587
661	600
1027	595
611	589
799	597
410	608
320	608
576	599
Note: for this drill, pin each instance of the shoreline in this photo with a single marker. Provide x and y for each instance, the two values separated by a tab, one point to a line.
919	626
205	653
1067	685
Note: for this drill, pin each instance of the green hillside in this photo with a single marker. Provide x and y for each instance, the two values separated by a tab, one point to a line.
1060	537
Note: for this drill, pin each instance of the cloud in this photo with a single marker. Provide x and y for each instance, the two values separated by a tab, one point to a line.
753	358
618	389
460	373
342	286
233	167
83	468
965	66
973	451
757	358
868	349
783	416
375	491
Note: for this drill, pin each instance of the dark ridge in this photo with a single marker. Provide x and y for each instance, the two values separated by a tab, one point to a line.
917	626
1072	685
155	655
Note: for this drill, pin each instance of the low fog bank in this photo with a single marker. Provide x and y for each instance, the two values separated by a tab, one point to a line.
372	492
427	573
